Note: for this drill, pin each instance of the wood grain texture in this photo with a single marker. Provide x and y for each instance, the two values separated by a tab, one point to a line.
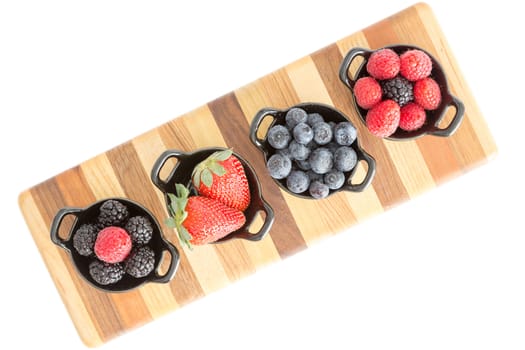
404	170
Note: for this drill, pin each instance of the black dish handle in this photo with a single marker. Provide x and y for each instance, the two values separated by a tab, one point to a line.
344	73
159	164
368	177
256	122
174	264
57	221
456	120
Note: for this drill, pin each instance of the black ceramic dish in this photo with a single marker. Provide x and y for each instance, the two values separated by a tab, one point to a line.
329	114
431	126
89	215
181	173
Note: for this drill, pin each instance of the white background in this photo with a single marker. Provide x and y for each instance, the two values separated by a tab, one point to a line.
443	271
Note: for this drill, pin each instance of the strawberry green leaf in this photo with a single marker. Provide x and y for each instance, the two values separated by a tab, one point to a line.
207	177
170	222
185	236
222	155
217	169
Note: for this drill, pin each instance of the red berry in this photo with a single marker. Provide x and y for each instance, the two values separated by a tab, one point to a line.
415	65
413	117
383	64
113	244
427	93
367	92
383	119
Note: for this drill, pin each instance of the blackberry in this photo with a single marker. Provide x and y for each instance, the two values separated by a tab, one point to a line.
105	273
140	262
112	213
84	239
140	229
398	89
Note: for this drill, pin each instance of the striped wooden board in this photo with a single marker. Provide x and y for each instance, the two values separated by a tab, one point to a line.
404	170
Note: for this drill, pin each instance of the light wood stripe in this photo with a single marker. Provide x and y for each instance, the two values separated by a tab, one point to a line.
77	306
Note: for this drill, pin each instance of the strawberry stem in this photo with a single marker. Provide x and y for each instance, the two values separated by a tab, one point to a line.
203	172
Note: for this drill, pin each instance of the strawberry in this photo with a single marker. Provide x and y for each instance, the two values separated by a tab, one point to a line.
221	176
200	220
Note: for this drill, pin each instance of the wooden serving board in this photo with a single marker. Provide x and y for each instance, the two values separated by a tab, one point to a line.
404	170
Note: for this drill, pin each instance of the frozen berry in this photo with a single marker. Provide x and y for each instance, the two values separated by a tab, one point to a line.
398	89
383	64
334	179
412	117
297	181
383	119
295	116
140	262
321	160
278	136
284	152
367	92
318	190
104	273
303	133
113	244
298	151
313	176
427	93
345	133
303	164
140	229
314	118
415	64
322	133
279	166
112	213
345	158
84	239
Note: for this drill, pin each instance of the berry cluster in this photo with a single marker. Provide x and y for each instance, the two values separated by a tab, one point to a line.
116	244
398	91
311	154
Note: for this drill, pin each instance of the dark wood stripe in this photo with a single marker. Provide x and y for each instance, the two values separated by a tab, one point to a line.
233	125
387	182
127	166
49	200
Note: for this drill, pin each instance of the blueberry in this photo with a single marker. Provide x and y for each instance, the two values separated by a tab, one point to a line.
278	136
285	152
313	176
297	181
295	116
334	179
303	164
332	146
345	158
298	151
314	118
303	133
322	133
321	160
318	190
279	166
345	133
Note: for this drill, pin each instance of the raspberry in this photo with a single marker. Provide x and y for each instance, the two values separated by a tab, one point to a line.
113	244
367	92
383	64
383	119
415	65
413	117
427	93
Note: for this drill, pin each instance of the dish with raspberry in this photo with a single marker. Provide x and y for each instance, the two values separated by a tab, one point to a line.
116	244
401	92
